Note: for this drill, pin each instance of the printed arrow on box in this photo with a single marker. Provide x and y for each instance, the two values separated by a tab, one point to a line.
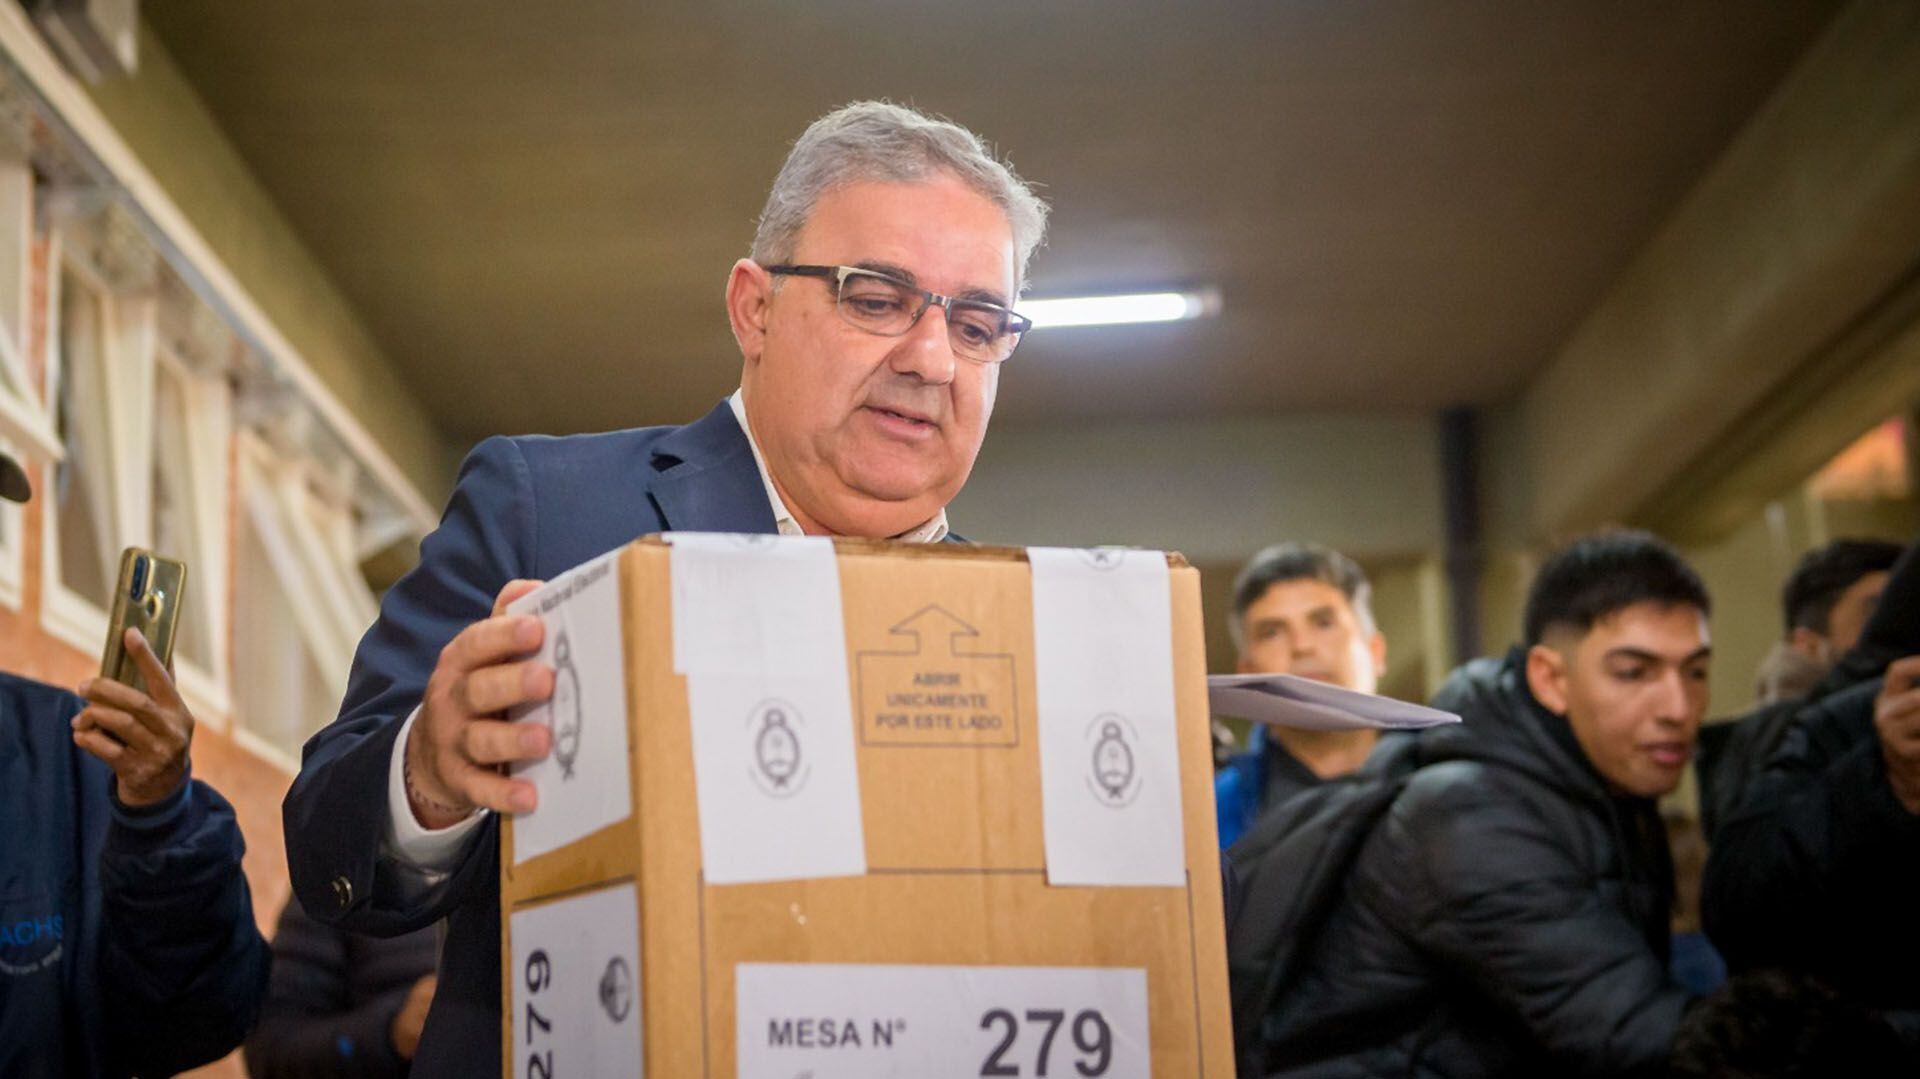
935	692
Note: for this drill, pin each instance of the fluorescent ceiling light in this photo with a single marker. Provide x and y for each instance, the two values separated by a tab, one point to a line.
1115	310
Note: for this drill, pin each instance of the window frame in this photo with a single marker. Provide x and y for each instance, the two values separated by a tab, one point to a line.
309	548
132	358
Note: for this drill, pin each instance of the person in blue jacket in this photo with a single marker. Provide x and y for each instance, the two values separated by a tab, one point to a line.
127	939
1306	610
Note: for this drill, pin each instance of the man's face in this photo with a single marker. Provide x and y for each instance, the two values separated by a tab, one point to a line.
867	435
1634	690
1307	627
1851	611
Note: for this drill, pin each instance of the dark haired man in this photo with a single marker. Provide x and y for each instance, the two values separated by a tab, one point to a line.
1509	914
1826	603
1301	609
1816	871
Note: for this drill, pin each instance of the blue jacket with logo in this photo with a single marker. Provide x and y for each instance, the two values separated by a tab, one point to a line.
127	940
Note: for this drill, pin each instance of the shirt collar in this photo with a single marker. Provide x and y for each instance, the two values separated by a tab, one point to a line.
933	531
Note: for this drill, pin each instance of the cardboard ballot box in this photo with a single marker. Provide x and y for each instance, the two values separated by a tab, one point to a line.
776	838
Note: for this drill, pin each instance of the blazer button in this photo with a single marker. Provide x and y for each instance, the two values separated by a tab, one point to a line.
343	892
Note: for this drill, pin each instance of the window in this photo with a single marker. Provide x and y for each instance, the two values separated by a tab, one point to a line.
25	432
146	444
23	418
83	552
188	516
300	603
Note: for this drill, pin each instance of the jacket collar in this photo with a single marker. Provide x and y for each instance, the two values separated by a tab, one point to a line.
707	480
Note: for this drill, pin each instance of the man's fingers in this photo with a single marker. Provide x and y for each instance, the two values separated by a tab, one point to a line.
159	679
1902	675
490	690
491	741
491	790
99	745
492	641
108	692
513	591
1899	715
130	731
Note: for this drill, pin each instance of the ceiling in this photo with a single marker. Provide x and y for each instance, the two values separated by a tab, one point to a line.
1405	206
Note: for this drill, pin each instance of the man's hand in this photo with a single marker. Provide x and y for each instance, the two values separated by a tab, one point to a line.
1896	718
143	737
460	745
404	1033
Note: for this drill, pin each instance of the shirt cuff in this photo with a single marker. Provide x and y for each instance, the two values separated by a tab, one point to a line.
430	850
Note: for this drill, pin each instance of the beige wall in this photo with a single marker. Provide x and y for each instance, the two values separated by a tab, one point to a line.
1218	491
158	115
1785	274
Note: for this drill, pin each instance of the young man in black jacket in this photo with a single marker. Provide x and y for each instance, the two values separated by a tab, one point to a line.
127	940
1509	915
1818	869
1827	601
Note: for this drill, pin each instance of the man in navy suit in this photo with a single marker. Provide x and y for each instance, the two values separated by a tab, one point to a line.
860	411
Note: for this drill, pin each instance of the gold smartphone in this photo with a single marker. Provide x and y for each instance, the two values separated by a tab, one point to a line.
148	598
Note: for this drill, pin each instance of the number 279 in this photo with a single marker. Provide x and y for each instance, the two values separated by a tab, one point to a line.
539	976
1090	1033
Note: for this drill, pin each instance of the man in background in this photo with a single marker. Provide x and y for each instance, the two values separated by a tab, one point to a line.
1817	871
1304	610
1508	913
127	941
1826	603
340	1004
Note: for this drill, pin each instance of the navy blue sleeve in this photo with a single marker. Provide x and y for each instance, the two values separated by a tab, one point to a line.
182	967
314	1026
336	812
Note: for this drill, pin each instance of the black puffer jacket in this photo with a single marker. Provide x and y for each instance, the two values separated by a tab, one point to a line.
1818	869
1508	917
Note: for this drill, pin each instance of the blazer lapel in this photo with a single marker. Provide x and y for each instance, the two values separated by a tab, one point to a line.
707	480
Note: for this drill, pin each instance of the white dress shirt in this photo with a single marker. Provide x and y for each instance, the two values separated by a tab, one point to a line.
433	852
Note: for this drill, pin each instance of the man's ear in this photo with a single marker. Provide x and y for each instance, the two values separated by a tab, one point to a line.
1547	678
749	291
1377	648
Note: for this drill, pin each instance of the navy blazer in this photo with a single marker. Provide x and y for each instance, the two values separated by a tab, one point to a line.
527	507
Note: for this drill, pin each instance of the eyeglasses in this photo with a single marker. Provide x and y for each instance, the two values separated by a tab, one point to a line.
879	304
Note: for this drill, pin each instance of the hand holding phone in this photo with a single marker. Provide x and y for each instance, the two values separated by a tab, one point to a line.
135	719
144	737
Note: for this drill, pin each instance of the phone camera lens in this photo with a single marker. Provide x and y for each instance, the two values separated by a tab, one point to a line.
138	584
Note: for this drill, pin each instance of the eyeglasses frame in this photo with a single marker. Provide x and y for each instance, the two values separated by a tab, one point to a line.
1018	324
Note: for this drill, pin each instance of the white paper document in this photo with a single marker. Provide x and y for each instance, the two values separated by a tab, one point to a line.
575	986
759	634
755	604
1285	700
1109	754
863	1022
584	784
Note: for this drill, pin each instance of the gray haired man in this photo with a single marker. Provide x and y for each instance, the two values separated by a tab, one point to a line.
872	318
